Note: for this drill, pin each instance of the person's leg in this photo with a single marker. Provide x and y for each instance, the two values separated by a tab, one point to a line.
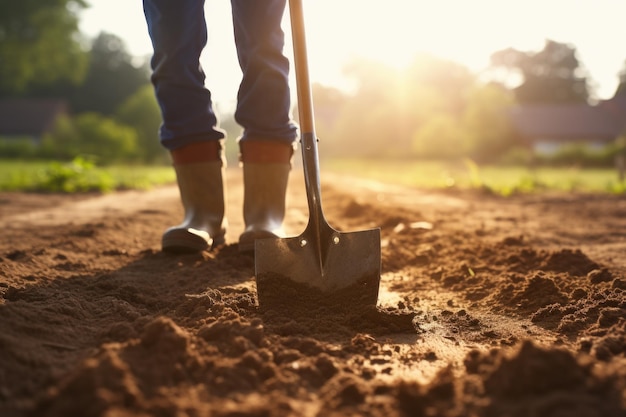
189	129
263	100
178	33
263	109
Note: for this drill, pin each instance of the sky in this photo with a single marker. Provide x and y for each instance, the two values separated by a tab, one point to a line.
395	31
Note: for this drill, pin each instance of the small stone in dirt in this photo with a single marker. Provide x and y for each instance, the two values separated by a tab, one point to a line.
578	294
513	241
600	275
16	255
619	283
610	316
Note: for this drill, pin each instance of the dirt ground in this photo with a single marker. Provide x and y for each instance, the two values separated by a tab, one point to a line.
488	306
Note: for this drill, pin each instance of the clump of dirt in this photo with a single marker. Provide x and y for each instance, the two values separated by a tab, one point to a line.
572	262
544	382
533	293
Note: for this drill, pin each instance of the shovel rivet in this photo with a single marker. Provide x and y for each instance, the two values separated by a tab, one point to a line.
303	243
336	240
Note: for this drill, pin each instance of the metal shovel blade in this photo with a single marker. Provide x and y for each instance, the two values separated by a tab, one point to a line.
343	271
321	266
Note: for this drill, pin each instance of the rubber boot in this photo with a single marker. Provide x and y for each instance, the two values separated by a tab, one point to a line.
200	177
266	166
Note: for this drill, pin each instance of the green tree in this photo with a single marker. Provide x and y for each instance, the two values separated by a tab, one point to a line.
38	44
435	85
90	134
440	137
141	112
488	129
552	75
112	77
621	88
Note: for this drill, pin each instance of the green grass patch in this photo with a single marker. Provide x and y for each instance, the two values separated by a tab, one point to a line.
466	174
79	175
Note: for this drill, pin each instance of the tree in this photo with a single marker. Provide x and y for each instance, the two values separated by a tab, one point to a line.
440	137
621	88
38	43
552	75
488	130
93	135
438	85
141	112
112	77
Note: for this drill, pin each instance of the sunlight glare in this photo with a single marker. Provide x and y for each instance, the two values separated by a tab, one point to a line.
396	31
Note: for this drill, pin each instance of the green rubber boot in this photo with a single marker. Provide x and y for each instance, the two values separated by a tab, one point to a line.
266	167
201	187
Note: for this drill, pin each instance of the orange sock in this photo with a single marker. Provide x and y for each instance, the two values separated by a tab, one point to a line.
265	152
205	151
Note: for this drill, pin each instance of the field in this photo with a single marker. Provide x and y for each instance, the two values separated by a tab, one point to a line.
497	179
488	306
81	175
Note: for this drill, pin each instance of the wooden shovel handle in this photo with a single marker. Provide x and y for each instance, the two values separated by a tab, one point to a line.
303	84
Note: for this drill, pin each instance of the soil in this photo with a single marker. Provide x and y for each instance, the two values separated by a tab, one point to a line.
487	306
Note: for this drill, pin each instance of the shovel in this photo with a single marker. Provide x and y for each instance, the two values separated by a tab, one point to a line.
322	265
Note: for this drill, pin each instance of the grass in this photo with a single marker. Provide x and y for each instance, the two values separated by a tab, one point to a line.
494	179
79	175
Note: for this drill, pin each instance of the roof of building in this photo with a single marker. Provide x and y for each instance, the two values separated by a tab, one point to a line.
569	122
29	117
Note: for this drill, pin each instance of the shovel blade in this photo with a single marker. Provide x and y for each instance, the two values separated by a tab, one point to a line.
343	271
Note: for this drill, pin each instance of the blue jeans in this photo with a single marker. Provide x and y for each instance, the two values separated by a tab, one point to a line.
178	32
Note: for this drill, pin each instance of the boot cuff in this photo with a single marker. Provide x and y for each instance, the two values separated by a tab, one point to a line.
197	152
265	152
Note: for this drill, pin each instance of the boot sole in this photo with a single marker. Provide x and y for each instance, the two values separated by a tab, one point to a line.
182	241
247	239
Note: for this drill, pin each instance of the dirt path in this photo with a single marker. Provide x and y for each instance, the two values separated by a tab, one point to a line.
488	307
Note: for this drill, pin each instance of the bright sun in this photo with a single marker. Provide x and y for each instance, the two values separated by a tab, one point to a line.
394	30
467	32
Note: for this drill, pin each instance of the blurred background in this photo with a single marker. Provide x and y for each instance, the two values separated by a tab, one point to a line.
453	87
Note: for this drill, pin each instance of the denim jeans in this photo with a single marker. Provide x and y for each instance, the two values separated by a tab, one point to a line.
178	32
